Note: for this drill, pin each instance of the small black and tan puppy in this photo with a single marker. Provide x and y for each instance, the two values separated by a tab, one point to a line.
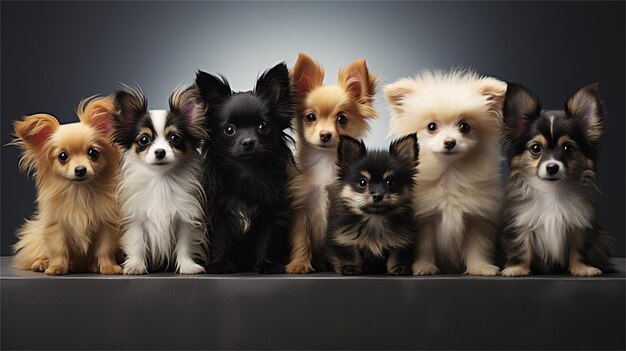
371	226
550	204
246	158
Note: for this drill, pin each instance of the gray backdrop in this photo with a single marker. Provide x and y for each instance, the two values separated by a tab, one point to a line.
55	53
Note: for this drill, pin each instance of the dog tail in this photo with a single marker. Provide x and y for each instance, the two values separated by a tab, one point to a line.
601	250
29	249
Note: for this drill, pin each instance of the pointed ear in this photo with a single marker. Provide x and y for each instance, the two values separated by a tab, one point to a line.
521	107
306	75
186	103
97	112
35	130
406	149
356	79
586	107
213	90
273	84
349	150
494	91
130	104
397	93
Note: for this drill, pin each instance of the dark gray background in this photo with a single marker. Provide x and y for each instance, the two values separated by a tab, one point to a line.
55	53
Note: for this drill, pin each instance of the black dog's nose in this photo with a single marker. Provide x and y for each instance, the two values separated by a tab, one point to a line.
325	136
377	197
159	153
248	144
449	143
552	168
80	171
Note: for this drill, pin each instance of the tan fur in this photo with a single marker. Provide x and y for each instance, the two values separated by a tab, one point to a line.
76	225
352	97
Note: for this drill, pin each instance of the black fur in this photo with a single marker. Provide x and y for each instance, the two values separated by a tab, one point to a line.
349	225
247	184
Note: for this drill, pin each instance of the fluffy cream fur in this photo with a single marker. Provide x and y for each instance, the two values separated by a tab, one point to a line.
458	194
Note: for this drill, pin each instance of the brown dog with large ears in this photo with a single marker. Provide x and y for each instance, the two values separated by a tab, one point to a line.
325	112
76	225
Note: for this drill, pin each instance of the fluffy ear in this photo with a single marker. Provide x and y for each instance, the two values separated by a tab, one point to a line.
349	150
98	112
306	75
130	104
186	104
521	107
358	81
273	84
494	90
212	89
406	149
586	107
33	131
396	93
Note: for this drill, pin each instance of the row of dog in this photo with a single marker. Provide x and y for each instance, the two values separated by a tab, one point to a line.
212	184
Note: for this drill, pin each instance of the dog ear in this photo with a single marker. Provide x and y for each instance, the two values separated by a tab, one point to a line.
306	75
521	107
494	91
397	93
33	131
356	79
274	86
349	150
406	149
130	105
98	112
585	106
186	104
212	90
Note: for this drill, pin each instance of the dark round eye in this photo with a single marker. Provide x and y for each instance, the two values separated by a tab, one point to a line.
569	148
390	183
143	140
362	183
535	149
464	127
432	127
310	117
342	119
63	156
175	139
263	128
93	154
230	129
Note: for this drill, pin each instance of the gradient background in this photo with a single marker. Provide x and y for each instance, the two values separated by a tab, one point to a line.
55	53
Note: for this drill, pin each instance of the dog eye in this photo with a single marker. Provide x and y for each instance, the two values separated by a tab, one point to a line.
230	129
362	183
569	148
535	149
432	127
464	127
390	183
63	156
342	119
310	117
143	140
93	154
263	128
175	139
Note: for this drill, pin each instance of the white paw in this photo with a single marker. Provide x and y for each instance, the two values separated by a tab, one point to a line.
191	268
482	269
515	271
134	268
581	270
424	268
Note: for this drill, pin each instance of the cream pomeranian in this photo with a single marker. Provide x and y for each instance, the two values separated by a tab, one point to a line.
457	116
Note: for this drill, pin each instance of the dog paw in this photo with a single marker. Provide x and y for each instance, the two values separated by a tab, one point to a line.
581	270
192	268
400	270
57	269
424	268
135	269
515	271
39	266
351	270
221	268
299	268
483	269
271	268
111	269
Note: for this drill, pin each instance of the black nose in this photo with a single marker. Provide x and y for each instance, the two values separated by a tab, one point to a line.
159	153
552	168
325	136
377	197
449	143
80	171
248	144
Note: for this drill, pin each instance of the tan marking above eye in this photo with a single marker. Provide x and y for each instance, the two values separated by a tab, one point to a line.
367	175
146	131
566	140
538	139
387	174
171	129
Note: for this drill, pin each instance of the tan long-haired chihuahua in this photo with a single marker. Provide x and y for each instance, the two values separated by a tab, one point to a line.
76	225
325	112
